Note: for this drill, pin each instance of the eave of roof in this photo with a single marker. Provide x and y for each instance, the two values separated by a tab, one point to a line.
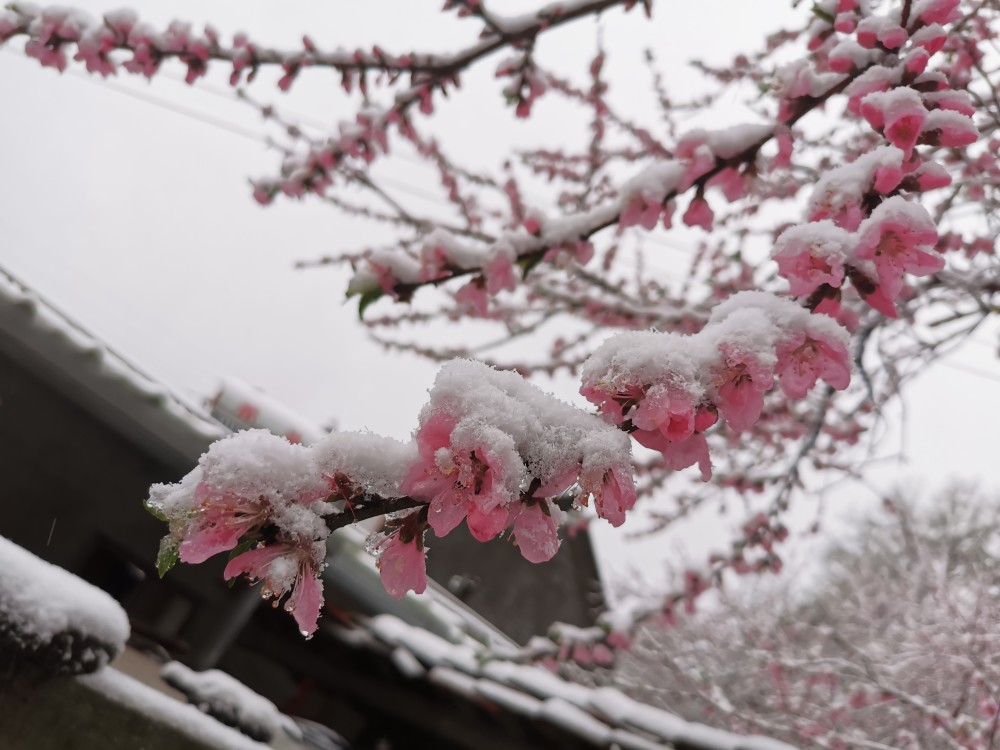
601	717
40	337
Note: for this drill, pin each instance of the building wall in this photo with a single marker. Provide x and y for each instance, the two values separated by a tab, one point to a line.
521	598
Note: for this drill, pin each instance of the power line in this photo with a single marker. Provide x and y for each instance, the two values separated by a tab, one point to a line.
220	123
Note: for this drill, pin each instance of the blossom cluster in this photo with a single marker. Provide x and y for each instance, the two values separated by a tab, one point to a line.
718	155
861	228
491	450
265	500
668	389
494	451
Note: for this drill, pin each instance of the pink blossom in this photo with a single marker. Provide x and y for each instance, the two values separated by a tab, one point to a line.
699	214
458	483
847	56
668	214
786	145
641	209
845	23
938	11
699	156
872	292
93	48
486	518
284	568
434	262
536	530
875	79
900	113
613	491
532	224
740	387
916	61
950	99
732	183
583	250
688	452
602	655
805	357
887	177
899	238
473	295
220	519
949	128
402	564
49	57
385	275
428	479
810	255
931	176
612	403
499	272
666	411
263	194
931	38
875	30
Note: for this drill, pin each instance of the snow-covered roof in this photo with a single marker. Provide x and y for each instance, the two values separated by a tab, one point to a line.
230	701
241	406
602	717
73	360
162	709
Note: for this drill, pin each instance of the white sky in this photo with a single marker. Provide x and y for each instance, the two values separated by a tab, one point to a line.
137	220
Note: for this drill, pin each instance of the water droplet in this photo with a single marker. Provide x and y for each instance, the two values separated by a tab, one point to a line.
372	543
307	635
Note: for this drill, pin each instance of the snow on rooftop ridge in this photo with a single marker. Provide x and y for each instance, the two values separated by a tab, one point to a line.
230	701
57	620
243	406
426	646
47	318
602	716
161	708
575	720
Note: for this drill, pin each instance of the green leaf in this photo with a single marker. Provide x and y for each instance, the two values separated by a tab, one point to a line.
366	298
155	511
528	263
818	11
245	546
366	292
168	555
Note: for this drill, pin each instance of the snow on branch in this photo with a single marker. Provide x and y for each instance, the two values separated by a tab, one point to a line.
53	31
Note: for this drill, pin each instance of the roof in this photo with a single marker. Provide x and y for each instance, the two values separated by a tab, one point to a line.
74	361
600	716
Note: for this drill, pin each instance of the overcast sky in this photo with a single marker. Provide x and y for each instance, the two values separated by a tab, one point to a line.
127	206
